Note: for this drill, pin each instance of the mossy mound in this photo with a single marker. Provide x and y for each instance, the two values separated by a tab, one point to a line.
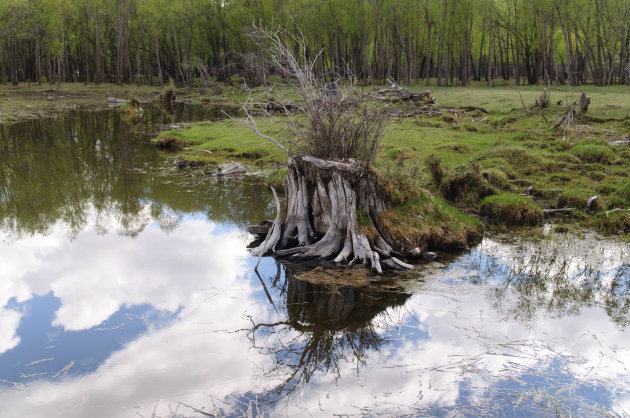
611	223
498	179
131	108
422	220
459	148
167	142
592	153
511	210
466	189
170	141
577	198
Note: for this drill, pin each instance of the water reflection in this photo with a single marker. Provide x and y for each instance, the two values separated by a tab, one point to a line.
126	289
326	325
57	170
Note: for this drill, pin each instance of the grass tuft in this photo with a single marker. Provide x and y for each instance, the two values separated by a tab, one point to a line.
589	153
511	210
613	223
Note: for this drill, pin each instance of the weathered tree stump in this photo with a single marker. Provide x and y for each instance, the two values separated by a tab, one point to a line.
321	220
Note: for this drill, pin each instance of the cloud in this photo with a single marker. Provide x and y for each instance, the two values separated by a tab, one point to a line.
9	323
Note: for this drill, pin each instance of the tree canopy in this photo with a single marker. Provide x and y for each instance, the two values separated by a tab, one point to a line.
455	42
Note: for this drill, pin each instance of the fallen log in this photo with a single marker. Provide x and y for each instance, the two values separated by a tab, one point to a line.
431	111
573	110
272	105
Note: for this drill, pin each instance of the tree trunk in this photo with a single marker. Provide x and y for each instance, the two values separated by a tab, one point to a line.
38	61
321	219
157	55
97	47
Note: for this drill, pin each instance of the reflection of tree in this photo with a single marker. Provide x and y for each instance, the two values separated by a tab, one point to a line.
326	326
555	280
55	170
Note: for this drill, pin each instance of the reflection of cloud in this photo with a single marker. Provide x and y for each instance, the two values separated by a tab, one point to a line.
452	345
195	268
9	322
470	350
180	363
95	275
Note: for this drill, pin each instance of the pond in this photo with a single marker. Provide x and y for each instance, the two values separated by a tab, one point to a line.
127	290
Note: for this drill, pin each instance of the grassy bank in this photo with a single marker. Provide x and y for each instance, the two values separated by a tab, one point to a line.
31	101
464	157
440	169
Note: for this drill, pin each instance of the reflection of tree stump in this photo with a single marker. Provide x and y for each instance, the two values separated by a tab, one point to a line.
337	307
321	219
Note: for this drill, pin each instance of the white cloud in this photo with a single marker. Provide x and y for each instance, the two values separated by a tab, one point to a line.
9	323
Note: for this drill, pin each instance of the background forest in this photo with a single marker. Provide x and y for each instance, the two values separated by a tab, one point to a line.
190	41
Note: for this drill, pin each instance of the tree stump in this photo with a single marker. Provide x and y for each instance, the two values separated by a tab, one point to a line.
321	219
584	102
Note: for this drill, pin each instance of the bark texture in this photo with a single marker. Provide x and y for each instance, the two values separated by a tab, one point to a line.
321	219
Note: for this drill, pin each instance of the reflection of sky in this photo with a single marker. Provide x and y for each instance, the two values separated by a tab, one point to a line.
152	323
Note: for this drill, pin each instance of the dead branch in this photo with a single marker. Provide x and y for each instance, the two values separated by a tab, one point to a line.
542	101
573	110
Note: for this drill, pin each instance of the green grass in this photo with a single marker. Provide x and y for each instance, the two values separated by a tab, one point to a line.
615	223
588	153
223	141
475	155
511	210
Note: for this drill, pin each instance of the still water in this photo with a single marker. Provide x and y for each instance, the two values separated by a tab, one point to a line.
126	289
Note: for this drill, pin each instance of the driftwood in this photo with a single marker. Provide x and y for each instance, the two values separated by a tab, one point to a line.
608	212
272	235
436	111
261	229
591	202
584	102
421	253
115	101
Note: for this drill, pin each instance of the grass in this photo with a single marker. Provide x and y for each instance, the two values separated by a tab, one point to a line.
615	223
511	210
515	149
472	156
224	141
